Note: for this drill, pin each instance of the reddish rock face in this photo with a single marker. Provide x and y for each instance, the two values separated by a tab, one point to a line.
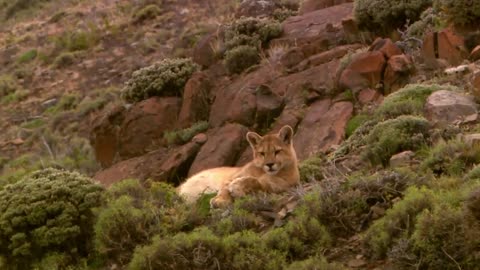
476	84
161	165
145	123
203	53
312	5
104	136
475	54
449	47
196	100
399	68
221	149
323	126
365	68
386	46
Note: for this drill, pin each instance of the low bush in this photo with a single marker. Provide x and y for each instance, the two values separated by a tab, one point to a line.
251	31
314	263
395	135
311	169
386	15
459	12
185	135
132	216
49	211
354	123
165	78
240	58
146	13
27	56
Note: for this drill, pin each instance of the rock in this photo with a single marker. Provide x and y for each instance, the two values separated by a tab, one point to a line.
447	107
49	103
161	165
17	141
323	125
145	124
399	68
221	149
200	138
449	46
472	139
104	135
475	54
364	71
292	57
386	46
204	53
325	57
312	5
196	100
255	8
401	159
475	81
310	32
356	263
367	96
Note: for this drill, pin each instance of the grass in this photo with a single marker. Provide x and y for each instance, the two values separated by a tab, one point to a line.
27	56
185	135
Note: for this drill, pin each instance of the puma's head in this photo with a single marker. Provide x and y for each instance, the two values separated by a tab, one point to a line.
273	152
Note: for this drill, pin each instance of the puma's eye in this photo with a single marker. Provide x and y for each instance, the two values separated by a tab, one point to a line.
277	152
262	154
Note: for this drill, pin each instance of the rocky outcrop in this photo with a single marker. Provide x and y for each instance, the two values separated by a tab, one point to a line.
312	5
447	107
196	100
446	44
255	8
323	126
221	149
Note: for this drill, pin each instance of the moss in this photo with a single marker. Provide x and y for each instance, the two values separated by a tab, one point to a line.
393	136
18	95
33	124
146	13
459	12
240	58
451	158
398	221
354	123
27	56
47	211
408	100
185	135
165	78
386	15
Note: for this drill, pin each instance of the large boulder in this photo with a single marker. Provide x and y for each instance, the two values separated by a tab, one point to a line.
312	5
364	71
196	100
447	107
322	127
145	124
255	8
221	149
161	165
203	52
446	44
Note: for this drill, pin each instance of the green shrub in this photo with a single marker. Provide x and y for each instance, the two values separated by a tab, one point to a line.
165	78
314	263
146	13
186	134
474	173
79	40
201	249
429	21
46	212
240	58
387	15
398	221
132	216
311	169
459	12
395	135
27	56
8	85
252	32
451	158
64	59
354	123
11	8
409	100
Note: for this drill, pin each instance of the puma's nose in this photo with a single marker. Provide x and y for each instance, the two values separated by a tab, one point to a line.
270	165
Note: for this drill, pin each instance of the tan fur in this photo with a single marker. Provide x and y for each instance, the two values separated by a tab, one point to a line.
274	168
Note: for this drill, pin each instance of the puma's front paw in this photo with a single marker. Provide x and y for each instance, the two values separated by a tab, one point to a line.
241	186
220	202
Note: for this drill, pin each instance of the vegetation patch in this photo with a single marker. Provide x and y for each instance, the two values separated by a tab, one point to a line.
240	58
388	15
27	56
146	13
165	78
185	135
354	123
459	12
49	211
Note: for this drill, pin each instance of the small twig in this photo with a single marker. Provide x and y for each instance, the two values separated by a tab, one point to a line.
451	258
48	148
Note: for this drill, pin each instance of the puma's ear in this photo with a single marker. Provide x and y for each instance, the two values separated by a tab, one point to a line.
286	134
253	138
